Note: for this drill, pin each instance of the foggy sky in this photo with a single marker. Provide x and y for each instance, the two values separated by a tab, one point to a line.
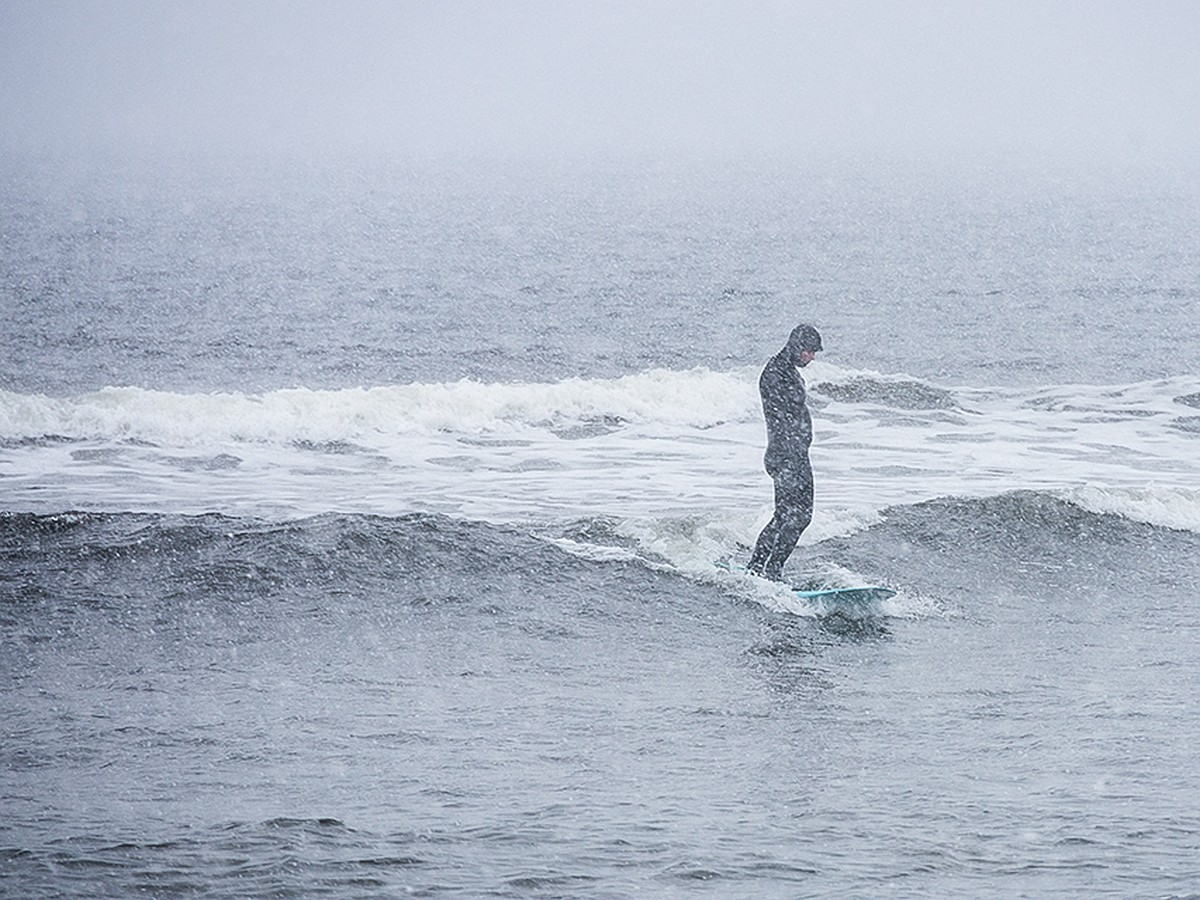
1066	78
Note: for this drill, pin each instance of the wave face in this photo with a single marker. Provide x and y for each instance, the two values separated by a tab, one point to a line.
386	702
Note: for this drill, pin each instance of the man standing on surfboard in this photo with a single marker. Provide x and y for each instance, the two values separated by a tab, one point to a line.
789	434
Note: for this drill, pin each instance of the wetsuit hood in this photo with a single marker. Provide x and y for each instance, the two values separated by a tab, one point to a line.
804	337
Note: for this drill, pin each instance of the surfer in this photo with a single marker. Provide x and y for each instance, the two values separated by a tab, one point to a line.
789	434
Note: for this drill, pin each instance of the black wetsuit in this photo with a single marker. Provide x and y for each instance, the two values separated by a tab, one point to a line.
789	434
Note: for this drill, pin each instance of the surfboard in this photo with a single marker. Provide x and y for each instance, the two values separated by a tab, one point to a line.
855	596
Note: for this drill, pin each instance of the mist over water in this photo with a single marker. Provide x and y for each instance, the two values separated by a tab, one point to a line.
1066	81
378	390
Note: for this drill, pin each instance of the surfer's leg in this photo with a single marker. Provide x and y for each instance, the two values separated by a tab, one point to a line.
793	513
768	541
764	549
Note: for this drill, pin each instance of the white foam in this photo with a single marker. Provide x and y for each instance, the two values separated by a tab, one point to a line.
697	398
595	552
676	457
1165	507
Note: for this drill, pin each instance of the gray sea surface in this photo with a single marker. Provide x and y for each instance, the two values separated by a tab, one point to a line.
254	643
237	275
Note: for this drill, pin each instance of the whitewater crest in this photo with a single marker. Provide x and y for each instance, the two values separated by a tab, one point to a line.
696	398
655	446
1172	507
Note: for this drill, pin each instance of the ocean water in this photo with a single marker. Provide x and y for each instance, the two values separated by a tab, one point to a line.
358	521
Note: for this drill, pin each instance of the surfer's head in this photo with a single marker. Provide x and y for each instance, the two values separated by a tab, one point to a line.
803	344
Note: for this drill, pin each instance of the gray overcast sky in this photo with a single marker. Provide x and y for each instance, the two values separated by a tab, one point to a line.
1069	78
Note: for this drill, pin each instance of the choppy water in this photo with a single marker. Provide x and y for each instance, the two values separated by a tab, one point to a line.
357	529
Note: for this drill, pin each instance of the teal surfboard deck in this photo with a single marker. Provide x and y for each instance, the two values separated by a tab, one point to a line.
859	596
